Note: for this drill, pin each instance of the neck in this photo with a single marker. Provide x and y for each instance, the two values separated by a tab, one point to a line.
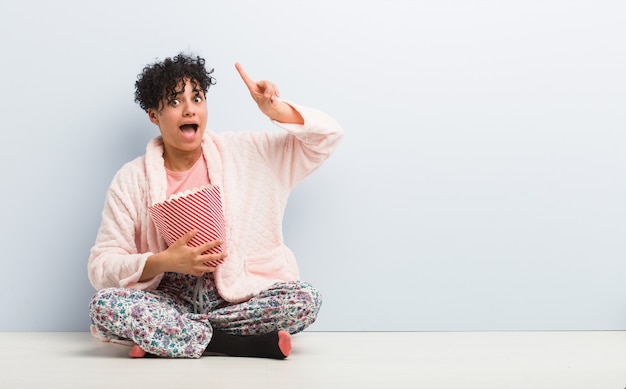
180	162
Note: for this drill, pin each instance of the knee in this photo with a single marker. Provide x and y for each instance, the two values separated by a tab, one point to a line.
309	297
104	302
102	297
307	301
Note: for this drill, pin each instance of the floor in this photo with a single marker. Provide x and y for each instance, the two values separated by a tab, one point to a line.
389	360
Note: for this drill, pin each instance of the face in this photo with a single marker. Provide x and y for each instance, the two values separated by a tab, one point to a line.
181	120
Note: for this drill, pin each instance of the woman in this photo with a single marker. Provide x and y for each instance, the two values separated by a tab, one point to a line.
239	295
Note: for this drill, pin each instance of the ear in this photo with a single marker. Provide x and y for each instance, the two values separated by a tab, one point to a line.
153	115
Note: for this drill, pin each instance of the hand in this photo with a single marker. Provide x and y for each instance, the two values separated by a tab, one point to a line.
191	260
184	259
265	94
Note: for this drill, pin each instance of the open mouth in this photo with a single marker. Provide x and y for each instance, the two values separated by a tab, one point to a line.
189	129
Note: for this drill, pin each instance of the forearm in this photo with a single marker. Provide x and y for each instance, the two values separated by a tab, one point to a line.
284	113
155	264
319	132
110	269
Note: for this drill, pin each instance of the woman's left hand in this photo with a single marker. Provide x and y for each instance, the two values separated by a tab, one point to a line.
266	94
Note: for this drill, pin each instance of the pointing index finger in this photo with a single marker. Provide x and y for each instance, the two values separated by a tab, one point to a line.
244	76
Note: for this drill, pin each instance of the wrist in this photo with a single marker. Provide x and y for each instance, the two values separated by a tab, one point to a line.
155	264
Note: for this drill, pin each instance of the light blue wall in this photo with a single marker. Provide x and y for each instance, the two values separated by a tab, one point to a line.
480	186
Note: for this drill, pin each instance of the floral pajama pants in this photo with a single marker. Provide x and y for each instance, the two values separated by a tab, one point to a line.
163	321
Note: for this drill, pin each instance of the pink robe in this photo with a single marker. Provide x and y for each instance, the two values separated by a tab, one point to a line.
256	172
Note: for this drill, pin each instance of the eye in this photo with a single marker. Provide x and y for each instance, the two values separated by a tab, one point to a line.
174	102
197	99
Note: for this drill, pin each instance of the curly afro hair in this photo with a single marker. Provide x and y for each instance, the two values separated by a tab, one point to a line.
160	79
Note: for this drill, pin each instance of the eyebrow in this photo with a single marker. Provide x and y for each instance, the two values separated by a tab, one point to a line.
196	90
175	95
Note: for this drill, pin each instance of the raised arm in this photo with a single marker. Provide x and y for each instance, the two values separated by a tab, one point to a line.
266	95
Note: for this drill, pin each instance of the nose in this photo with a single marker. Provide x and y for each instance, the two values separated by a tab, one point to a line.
189	109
